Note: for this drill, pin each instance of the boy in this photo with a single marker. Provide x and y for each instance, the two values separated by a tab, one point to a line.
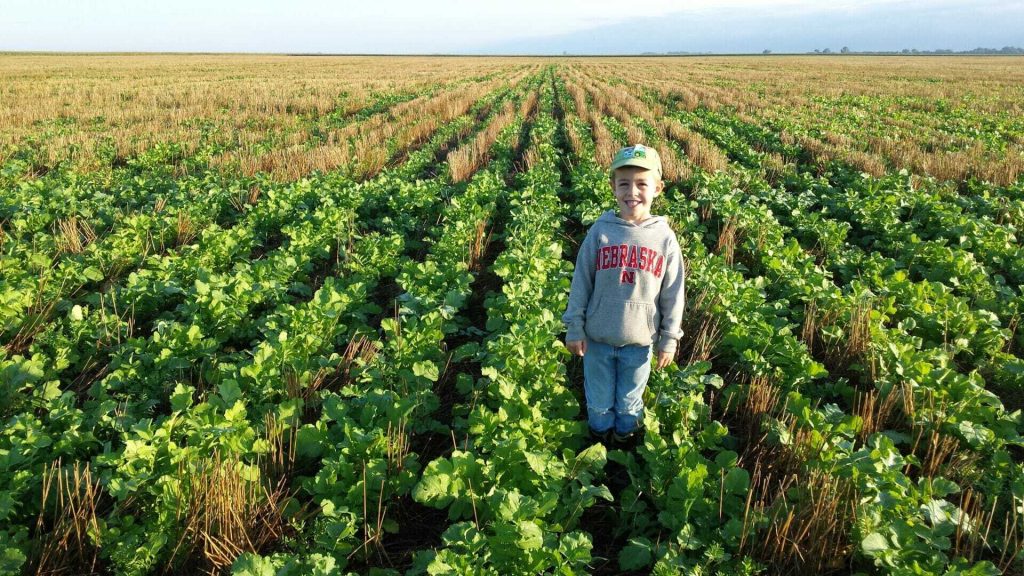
627	295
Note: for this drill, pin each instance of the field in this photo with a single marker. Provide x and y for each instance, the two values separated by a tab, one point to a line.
301	315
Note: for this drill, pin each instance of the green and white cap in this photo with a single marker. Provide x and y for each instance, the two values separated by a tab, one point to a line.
637	155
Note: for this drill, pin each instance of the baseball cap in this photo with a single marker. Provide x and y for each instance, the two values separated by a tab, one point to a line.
637	155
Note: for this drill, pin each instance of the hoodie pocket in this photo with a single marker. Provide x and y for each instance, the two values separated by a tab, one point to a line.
621	322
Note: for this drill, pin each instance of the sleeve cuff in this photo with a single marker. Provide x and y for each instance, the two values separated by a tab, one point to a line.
668	345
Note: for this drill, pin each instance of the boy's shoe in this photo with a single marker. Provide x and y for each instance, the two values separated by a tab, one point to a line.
627	441
602	437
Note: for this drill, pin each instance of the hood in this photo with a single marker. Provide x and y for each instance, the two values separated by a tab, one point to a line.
611	217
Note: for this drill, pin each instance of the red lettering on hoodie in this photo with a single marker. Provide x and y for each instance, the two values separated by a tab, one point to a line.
630	256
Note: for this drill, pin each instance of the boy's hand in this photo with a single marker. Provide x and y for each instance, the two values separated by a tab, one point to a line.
577	347
664	359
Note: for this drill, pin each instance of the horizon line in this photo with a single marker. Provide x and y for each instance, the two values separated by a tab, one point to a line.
681	54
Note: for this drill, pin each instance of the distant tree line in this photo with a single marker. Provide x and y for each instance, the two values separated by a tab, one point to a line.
912	51
846	50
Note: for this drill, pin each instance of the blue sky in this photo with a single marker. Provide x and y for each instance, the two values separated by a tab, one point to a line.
525	26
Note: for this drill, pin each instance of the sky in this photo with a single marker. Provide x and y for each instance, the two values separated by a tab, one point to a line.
524	26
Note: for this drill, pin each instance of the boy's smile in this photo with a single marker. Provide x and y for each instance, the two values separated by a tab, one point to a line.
635	189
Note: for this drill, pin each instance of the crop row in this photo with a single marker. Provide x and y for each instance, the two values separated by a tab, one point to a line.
517	486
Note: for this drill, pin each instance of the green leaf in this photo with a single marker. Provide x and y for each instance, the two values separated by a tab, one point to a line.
984	568
942	487
236	413
249	564
975	434
538	462
11	561
434	488
636	555
726	459
181	399
594	456
874	543
22	371
467	350
941	513
426	369
737	481
7	505
508	509
229	391
600	491
531	536
51	390
93	273
454	299
309	442
576	547
290	410
321	565
389	326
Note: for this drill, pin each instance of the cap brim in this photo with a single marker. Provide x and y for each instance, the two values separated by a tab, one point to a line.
638	162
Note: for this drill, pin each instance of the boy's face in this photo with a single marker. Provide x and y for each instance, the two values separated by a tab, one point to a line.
635	189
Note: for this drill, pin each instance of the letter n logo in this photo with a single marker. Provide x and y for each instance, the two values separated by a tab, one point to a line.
628	277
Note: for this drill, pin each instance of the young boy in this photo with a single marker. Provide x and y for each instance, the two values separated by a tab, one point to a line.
627	295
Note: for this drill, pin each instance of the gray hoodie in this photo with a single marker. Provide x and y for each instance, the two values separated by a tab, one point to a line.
628	286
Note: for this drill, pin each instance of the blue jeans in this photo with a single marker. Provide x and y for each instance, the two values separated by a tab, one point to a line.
614	378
